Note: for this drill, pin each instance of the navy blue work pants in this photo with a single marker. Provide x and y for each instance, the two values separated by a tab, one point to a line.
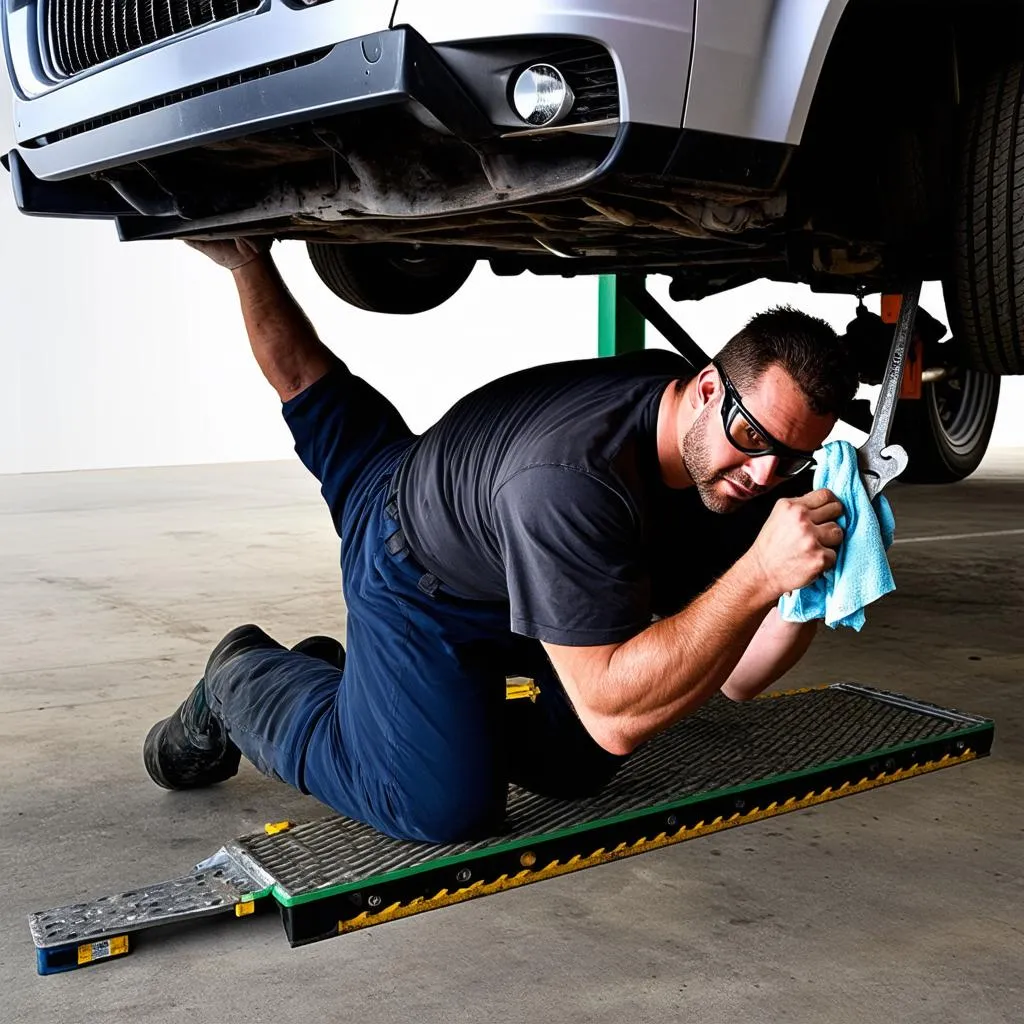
414	736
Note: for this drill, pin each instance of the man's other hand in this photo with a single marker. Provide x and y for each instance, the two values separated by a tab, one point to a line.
799	540
232	253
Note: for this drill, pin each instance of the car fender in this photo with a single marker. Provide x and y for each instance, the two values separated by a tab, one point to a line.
756	65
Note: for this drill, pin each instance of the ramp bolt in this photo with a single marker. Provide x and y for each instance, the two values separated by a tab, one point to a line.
373	901
528	859
464	875
671	821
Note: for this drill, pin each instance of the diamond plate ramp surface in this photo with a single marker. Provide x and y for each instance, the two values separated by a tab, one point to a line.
723	746
196	895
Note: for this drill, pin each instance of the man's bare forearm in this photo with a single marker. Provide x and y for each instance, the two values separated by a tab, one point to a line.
776	647
284	342
636	689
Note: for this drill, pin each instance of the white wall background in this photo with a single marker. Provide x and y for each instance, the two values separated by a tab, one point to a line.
134	355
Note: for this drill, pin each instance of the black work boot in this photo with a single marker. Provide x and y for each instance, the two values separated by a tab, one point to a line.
326	648
192	748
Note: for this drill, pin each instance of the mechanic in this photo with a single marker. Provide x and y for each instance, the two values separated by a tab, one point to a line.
563	523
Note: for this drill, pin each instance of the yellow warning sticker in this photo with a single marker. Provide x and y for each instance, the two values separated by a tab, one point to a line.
520	687
115	946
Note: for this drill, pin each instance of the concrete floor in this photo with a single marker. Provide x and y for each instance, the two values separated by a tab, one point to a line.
905	904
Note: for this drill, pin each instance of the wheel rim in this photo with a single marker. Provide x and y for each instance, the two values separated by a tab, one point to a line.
962	405
422	266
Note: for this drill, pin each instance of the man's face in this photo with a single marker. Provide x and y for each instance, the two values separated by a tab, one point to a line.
726	477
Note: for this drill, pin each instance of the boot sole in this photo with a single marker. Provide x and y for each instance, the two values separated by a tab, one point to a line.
150	759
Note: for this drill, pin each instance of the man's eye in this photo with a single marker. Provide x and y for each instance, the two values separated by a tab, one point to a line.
755	439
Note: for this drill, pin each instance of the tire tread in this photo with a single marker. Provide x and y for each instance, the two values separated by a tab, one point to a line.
988	264
364	277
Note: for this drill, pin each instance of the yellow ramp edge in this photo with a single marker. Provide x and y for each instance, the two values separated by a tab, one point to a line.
444	898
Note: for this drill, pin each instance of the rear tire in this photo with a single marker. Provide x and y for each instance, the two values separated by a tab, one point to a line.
390	278
988	257
946	431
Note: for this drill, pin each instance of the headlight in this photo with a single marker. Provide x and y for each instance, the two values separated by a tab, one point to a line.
542	96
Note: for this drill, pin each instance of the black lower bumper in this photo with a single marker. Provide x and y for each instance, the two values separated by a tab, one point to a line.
51	174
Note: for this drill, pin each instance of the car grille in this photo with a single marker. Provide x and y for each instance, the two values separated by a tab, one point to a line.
590	72
81	35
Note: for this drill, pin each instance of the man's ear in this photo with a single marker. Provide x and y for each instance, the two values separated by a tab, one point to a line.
706	386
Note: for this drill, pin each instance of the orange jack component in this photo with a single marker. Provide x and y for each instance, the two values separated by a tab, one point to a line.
891	308
910	383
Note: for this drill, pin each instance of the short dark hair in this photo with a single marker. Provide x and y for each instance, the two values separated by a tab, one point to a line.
805	347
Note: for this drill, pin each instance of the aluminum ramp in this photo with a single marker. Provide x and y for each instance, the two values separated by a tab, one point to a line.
726	765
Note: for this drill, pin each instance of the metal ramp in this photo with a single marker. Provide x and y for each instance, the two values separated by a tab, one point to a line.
726	765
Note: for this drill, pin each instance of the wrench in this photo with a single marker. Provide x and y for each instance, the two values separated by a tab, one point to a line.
878	461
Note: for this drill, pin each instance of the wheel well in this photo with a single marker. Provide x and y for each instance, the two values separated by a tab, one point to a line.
956	42
879	155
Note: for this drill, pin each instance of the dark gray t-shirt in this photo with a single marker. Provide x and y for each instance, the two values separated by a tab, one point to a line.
543	489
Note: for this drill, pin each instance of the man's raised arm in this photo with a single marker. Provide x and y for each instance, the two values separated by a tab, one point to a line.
284	342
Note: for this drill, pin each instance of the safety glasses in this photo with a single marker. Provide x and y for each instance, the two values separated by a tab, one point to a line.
748	436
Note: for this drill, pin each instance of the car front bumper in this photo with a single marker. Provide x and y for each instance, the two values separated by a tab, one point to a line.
375	71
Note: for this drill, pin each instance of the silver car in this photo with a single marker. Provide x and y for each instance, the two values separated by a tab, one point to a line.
851	144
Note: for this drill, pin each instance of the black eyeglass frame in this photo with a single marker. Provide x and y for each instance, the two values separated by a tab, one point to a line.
732	407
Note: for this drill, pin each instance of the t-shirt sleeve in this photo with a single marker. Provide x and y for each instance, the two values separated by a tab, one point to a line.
313	417
572	552
337	423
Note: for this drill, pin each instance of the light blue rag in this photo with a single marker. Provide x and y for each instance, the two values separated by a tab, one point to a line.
862	573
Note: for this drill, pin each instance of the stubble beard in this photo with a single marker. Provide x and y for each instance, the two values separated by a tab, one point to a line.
697	460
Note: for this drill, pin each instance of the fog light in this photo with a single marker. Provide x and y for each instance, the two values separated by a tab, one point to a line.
542	96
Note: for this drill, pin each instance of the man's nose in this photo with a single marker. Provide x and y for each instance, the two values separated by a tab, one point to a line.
762	470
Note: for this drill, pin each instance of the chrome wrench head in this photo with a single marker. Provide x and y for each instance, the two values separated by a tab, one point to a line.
878	469
878	461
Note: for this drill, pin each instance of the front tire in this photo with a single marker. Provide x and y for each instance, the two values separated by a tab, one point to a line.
988	258
946	431
390	278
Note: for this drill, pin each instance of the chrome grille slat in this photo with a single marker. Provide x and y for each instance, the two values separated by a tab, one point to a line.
149	18
162	18
136	22
84	33
66	14
94	45
119	21
89	35
66	28
55	32
109	30
75	40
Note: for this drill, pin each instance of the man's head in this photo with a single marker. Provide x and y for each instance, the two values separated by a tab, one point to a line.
754	416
